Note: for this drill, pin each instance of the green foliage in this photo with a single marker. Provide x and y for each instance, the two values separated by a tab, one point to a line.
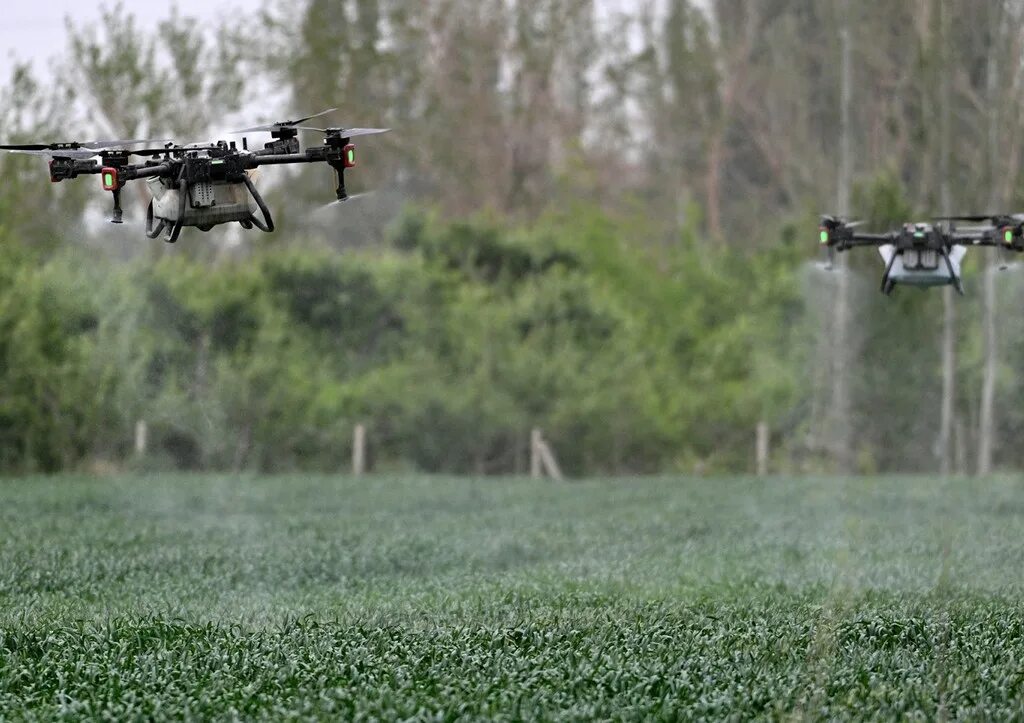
176	80
47	325
450	347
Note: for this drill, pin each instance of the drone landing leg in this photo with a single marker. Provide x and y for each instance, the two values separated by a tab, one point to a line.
152	232
339	168
957	282
118	216
887	284
175	232
267	225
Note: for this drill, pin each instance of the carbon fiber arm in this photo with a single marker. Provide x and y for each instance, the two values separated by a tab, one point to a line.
854	240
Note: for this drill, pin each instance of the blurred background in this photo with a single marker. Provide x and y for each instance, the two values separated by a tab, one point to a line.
596	218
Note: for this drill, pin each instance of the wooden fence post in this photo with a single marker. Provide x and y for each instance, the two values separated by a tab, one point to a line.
542	459
141	438
548	458
762	449
535	442
359	450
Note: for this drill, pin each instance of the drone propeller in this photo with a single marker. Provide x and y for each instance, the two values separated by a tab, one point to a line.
346	132
79	155
97	146
837	222
171	149
996	219
968	219
283	125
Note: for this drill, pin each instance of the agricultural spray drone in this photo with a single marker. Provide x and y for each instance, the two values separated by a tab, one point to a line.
200	185
925	254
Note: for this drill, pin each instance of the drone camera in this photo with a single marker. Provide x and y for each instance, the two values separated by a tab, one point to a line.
110	180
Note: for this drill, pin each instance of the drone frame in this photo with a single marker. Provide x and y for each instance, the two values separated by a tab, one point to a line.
1004	232
186	168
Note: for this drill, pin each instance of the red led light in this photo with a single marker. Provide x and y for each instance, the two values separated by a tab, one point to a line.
109	176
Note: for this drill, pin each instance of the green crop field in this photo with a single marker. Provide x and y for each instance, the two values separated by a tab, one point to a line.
392	597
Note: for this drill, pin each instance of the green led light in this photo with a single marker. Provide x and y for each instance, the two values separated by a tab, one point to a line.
824	237
351	156
1008	236
108	179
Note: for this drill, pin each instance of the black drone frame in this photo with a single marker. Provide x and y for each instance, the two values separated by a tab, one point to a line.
185	166
1000	231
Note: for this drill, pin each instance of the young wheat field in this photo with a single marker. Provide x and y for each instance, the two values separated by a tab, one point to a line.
411	597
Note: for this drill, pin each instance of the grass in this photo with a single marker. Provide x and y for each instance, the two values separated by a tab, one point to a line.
315	597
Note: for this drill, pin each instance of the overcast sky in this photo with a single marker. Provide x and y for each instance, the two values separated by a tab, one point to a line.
34	31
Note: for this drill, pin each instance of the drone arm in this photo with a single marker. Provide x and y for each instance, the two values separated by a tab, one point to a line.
254	161
872	239
62	169
989	237
131	173
334	156
855	240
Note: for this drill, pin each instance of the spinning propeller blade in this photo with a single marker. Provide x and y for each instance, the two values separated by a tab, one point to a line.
97	146
833	223
281	125
347	132
996	219
71	155
355	197
967	219
172	150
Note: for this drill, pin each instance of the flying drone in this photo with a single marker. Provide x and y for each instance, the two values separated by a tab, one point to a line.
200	185
926	254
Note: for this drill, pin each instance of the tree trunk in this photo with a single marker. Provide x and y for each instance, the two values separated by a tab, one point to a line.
944	443
712	184
986	414
841	390
736	61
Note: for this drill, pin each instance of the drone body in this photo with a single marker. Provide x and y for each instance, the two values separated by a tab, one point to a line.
208	203
926	255
922	268
201	186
